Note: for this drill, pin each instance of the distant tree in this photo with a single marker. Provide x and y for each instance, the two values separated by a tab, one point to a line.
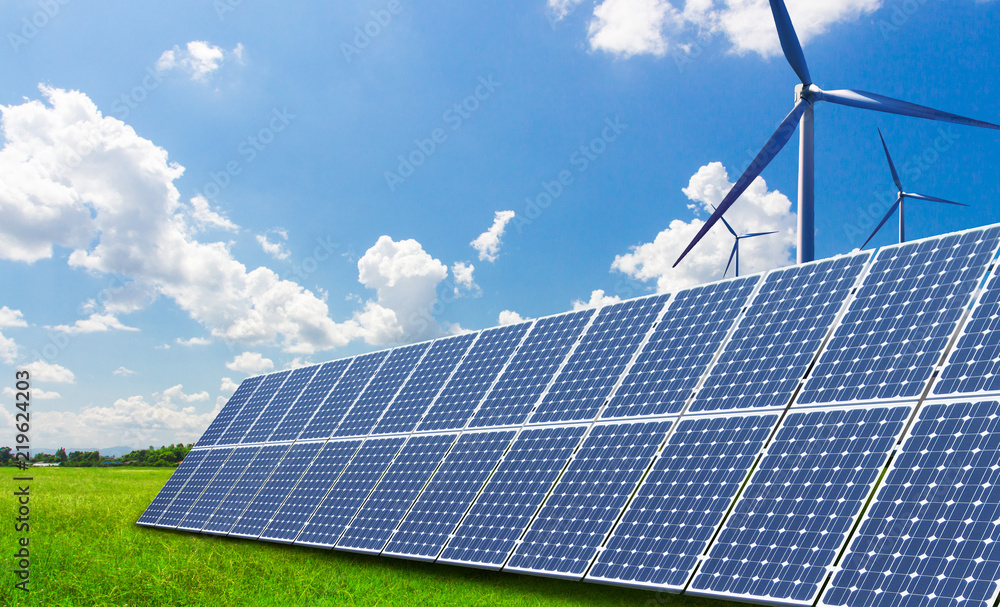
6	455
61	455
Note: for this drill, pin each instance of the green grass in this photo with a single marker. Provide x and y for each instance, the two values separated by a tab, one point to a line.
86	550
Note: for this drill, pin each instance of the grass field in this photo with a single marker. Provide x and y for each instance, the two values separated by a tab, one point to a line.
86	550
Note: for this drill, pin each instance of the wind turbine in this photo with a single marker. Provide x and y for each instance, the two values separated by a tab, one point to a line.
736	245
807	95
900	198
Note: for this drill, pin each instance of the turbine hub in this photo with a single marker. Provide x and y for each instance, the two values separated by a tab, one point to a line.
807	92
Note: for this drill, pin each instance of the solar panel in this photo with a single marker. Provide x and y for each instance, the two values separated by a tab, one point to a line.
251	410
973	366
777	339
682	501
258	512
531	369
680	348
447	497
932	534
229	411
303	409
215	477
174	484
243	492
433	371
801	503
379	394
192	490
387	505
901	319
478	371
310	490
342	396
490	530
349	492
583	385
268	420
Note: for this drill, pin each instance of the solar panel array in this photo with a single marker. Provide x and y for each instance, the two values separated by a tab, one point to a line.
725	441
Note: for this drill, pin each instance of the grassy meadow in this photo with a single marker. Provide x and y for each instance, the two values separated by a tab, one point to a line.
86	550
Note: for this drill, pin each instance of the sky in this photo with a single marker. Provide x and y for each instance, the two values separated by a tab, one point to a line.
192	193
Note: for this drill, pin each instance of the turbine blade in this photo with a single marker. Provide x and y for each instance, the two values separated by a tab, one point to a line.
892	167
933	199
871	101
758	234
764	157
790	41
892	210
731	255
728	227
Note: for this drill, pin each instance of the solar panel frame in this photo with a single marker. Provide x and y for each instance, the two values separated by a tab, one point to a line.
338	401
229	411
272	415
172	487
312	397
252	409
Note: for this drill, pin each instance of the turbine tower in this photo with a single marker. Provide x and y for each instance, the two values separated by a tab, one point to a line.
900	198
807	94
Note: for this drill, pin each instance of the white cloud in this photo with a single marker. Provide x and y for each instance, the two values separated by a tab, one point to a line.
198	58
123	371
36	394
509	317
11	318
177	392
251	363
228	386
597	299
757	210
488	243
632	27
9	351
464	280
43	371
96	323
194	341
204	217
276	250
561	8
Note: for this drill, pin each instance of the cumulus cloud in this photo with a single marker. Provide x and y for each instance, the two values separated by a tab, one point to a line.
9	350
251	363
194	341
510	317
11	318
177	392
51	372
198	58
96	323
123	371
757	210
632	27
561	8
228	386
464	280
488	243
36	394
274	248
597	299
203	217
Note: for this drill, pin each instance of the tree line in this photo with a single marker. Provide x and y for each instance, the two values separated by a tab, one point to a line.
164	456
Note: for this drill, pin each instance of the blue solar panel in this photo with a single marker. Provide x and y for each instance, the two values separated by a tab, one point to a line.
302	411
583	385
309	491
974	363
777	339
531	369
229	411
389	502
243	492
682	501
490	530
380	392
349	493
680	349
801	503
343	395
931	536
276	409
587	500
454	405
251	410
447	497
174	484
191	493
901	319
287	473
217	474
433	371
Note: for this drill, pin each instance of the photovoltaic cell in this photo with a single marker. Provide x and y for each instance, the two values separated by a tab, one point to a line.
931	537
190	494
432	372
302	411
350	491
531	369
490	530
587	500
215	477
452	489
243	492
380	392
342	396
901	319
387	505
174	484
682	501
454	405
288	472
229	411
583	385
321	474
794	516
268	420
974	363
251	410
779	335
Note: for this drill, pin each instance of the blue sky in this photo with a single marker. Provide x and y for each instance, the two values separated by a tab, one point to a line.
195	192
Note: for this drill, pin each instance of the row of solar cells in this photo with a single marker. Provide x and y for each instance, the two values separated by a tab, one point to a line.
616	445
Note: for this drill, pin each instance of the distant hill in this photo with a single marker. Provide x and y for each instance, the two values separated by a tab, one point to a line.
113	451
